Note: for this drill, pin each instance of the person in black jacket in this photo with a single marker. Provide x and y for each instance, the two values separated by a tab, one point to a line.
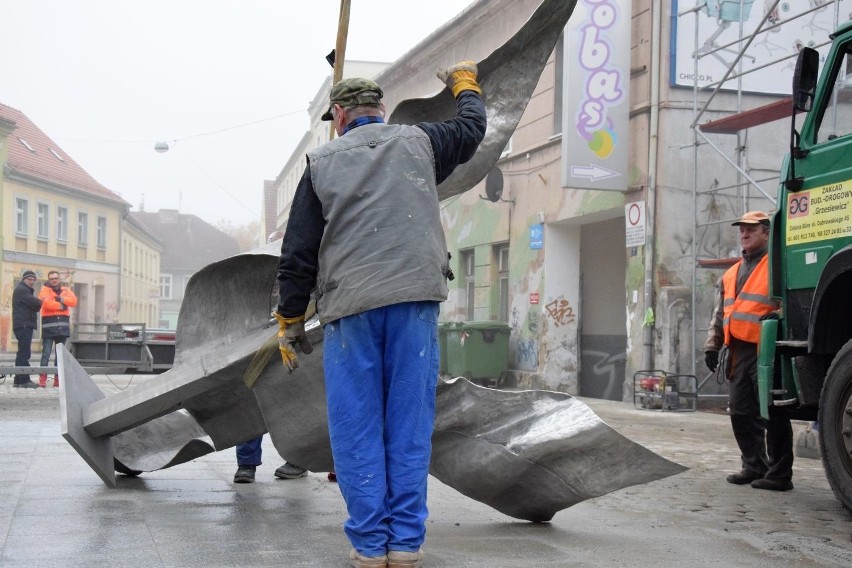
25	308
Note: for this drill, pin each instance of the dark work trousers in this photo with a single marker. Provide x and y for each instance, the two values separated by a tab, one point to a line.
24	335
249	453
766	445
47	344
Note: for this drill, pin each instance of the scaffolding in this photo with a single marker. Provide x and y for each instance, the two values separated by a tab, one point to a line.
747	186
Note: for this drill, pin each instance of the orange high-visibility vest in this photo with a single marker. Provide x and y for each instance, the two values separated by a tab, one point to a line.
742	313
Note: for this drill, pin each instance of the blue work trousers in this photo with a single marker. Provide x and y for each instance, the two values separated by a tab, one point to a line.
381	371
249	453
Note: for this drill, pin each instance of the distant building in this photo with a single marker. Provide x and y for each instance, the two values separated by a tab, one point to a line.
140	274
189	244
269	224
55	216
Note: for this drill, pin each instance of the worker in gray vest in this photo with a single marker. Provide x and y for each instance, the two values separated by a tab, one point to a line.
365	234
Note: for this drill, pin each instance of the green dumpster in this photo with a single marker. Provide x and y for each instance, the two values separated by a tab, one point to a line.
478	350
444	329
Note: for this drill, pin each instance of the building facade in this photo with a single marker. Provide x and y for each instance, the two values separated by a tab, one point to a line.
189	244
596	284
140	274
55	216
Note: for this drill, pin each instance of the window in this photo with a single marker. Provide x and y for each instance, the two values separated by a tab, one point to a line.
837	120
559	65
62	224
42	220
82	228
166	286
22	214
501	255
102	237
27	145
467	270
508	148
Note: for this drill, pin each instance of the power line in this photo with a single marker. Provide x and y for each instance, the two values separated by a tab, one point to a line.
219	185
210	133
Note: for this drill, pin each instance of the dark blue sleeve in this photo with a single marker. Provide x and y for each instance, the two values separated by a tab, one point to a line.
298	263
455	141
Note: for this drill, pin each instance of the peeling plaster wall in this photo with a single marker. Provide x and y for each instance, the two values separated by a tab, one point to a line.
542	353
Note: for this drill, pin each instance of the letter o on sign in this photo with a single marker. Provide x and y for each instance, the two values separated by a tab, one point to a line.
634	214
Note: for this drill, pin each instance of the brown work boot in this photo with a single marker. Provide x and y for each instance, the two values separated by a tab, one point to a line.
400	559
743	477
42	381
357	560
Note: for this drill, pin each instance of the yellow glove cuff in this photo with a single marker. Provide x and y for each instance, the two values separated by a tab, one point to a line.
287	321
464	81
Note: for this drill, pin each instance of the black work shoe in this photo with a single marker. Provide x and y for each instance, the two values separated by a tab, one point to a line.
26	385
772	484
743	477
245	474
290	471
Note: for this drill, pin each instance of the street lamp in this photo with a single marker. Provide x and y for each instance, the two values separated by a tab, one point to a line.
162	147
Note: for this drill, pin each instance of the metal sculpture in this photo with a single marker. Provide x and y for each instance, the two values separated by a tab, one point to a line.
528	454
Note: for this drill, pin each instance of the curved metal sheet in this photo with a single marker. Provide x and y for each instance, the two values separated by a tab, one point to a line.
528	454
508	77
163	442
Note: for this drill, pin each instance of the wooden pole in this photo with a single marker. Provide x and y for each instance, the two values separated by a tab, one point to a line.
340	47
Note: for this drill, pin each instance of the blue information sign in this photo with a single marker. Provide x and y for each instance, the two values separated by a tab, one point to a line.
536	236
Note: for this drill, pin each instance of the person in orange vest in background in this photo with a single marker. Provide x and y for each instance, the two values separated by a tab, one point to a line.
743	301
56	301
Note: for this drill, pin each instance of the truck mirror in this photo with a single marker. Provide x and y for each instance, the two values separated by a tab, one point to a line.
805	78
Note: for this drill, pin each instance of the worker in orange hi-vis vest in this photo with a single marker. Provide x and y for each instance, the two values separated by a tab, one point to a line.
56	301
742	302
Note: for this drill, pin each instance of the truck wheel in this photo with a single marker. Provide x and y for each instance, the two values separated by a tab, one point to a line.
835	425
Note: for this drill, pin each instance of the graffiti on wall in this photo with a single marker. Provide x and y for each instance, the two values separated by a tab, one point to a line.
526	348
560	311
603	368
527	354
111	311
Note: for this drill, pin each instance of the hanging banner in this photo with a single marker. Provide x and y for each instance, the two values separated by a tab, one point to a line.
596	96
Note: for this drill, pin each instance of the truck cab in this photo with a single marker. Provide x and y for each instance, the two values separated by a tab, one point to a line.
805	358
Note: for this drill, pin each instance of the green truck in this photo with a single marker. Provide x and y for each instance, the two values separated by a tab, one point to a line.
805	357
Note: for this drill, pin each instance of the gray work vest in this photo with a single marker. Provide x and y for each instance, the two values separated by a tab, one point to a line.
383	242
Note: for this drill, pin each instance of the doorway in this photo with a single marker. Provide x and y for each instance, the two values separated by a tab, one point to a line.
603	310
82	293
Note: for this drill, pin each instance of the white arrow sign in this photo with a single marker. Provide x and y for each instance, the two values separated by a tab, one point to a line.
593	172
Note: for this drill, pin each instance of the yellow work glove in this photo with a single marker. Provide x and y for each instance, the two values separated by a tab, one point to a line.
460	77
290	332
